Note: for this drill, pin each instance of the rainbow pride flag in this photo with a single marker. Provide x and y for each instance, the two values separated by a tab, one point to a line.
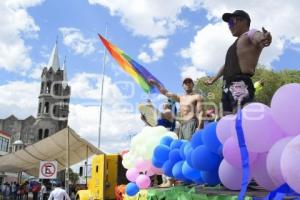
139	74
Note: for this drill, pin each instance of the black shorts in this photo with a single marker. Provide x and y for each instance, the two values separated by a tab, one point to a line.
228	101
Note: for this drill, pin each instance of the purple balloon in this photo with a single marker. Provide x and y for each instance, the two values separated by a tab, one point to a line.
273	160
226	127
132	174
232	155
290	162
260	130
143	181
260	173
286	108
230	176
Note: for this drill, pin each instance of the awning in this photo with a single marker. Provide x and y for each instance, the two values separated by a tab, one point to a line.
51	148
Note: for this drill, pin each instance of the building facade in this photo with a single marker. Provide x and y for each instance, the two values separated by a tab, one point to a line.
52	108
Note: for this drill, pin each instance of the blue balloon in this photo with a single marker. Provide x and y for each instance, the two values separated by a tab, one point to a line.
166	140
210	177
161	153
156	163
188	149
209	137
189	172
203	159
167	168
174	156
177	171
182	149
197	139
199	180
176	144
132	189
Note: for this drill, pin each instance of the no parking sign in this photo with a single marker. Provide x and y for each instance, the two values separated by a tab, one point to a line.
48	169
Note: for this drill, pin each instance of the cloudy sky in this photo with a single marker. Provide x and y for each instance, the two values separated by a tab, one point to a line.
171	38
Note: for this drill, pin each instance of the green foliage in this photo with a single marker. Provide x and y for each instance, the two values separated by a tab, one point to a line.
73	177
272	81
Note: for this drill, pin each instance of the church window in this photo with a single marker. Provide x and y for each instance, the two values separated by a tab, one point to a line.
46	109
48	87
46	133
40	134
40	107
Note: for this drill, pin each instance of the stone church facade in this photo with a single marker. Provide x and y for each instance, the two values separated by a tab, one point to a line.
52	108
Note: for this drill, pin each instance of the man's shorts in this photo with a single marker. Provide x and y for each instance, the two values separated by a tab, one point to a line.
232	90
187	129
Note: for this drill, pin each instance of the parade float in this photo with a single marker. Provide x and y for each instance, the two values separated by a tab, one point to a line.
259	145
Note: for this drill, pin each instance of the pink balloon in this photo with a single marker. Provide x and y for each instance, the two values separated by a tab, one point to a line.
143	165
286	108
132	174
290	162
232	155
143	181
260	173
154	170
260	130
273	160
226	127
230	176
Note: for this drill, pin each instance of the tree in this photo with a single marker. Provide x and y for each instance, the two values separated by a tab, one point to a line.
73	177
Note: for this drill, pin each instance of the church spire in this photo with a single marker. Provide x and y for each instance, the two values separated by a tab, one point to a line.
65	79
54	60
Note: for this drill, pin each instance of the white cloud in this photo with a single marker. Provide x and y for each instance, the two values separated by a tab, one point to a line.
154	18
16	23
88	86
191	72
207	50
119	119
74	39
19	98
116	126
157	47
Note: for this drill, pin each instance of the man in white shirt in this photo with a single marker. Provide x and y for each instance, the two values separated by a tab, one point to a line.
58	193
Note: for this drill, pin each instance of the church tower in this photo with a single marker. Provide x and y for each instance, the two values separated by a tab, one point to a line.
54	98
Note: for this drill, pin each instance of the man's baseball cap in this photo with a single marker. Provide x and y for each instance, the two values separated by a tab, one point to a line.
237	13
186	80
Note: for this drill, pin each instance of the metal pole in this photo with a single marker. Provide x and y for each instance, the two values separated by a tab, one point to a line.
68	161
102	86
86	165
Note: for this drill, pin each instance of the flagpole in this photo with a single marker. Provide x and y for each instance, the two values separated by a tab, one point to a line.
101	96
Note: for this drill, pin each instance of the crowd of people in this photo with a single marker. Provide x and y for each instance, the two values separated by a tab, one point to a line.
32	190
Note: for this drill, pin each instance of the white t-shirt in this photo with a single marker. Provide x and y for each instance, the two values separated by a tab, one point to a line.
58	194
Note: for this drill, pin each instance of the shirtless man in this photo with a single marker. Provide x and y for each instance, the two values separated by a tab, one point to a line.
241	60
190	108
